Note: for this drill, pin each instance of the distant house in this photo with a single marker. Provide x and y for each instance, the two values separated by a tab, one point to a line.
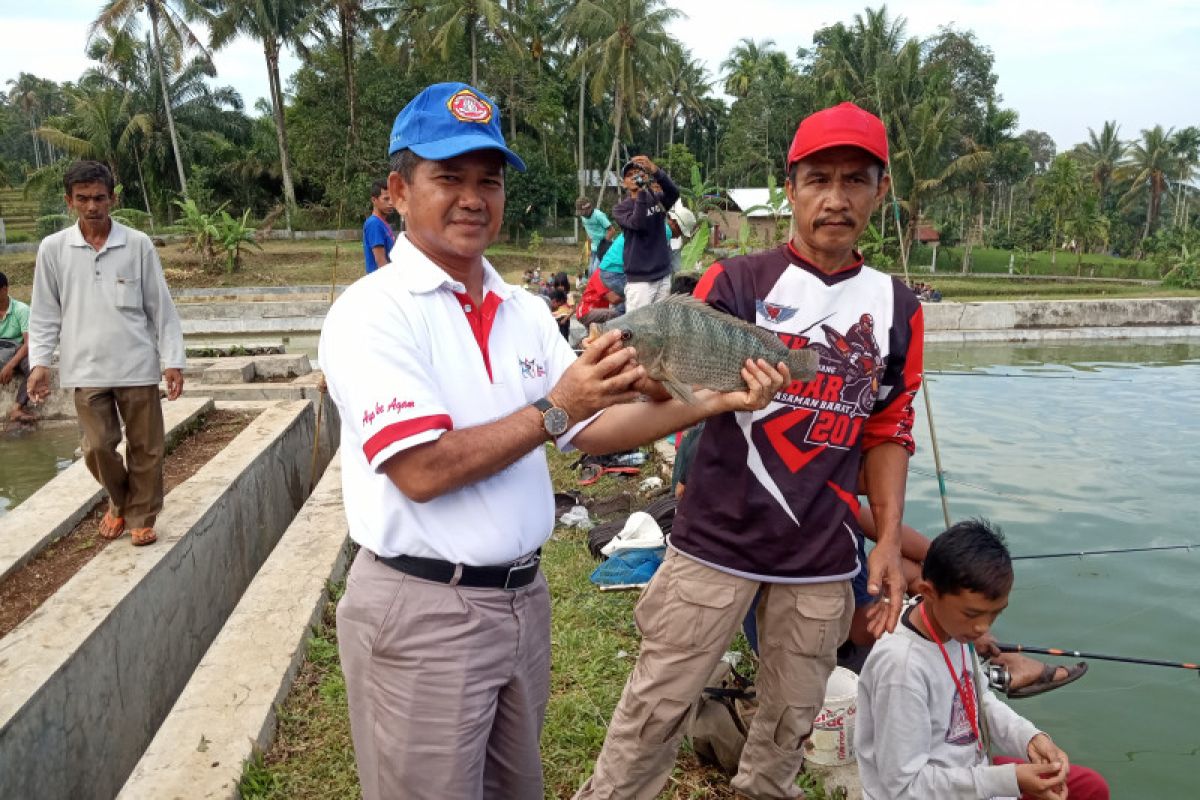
749	206
927	234
591	179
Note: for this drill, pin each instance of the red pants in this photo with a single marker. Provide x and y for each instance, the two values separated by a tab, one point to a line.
1082	783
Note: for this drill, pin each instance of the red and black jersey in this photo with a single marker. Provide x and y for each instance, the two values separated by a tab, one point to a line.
772	495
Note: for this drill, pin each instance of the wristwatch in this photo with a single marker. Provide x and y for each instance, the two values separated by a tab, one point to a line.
554	419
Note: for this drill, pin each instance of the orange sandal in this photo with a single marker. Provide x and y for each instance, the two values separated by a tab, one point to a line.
143	536
111	527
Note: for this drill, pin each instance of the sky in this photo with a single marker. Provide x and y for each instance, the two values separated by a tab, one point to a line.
1064	65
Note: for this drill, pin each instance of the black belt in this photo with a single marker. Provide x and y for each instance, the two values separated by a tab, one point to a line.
434	569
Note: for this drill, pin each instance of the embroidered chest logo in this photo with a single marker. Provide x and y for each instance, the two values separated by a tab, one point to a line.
530	368
466	106
774	312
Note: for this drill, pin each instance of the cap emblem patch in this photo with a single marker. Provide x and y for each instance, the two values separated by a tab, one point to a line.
467	106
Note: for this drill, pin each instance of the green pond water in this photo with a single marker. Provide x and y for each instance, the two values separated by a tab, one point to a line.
30	457
1095	447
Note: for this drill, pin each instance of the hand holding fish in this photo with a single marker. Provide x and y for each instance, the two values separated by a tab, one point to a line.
602	376
763	382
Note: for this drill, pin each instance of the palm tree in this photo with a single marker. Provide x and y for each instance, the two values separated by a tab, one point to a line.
1059	192
1103	153
100	126
455	20
276	24
1087	226
1187	150
1151	160
341	21
166	17
746	66
23	92
686	87
627	39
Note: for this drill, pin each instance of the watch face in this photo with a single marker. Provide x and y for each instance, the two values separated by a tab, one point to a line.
556	421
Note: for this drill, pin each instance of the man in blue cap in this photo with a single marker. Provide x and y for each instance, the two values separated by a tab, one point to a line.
449	381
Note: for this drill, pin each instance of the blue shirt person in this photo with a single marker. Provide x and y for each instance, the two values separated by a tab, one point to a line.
595	223
377	234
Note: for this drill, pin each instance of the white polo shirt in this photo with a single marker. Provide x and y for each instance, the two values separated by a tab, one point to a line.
407	357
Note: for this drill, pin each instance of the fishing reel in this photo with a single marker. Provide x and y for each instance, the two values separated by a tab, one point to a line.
997	676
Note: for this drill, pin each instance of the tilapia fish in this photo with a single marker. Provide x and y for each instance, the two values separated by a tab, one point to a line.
684	342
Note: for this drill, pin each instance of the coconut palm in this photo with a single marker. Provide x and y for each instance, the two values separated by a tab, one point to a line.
686	88
276	24
1059	192
1186	144
23	93
1151	160
340	21
1086	225
100	126
452	21
167	21
1102	154
747	64
626	41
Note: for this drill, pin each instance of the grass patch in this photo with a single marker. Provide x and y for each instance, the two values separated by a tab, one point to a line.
594	645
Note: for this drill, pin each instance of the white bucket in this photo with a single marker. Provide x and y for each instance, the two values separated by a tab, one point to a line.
832	740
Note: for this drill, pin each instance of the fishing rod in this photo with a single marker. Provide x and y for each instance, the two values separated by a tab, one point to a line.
1058	651
1079	553
1019	375
937	455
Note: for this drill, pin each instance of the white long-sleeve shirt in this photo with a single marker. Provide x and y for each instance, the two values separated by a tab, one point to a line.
110	310
913	738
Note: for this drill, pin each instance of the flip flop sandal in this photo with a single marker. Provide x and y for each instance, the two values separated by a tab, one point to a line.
143	536
592	472
1046	682
111	527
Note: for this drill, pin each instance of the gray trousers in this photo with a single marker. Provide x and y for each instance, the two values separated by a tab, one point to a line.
447	685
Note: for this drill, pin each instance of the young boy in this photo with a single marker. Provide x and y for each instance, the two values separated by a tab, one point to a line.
922	719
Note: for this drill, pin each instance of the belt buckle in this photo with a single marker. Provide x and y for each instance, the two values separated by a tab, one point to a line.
519	571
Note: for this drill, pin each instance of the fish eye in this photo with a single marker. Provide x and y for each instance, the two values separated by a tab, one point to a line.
626	335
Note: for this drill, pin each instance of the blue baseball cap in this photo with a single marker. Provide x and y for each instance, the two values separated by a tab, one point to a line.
448	119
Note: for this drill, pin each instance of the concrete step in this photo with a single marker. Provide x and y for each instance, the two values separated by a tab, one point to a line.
230	700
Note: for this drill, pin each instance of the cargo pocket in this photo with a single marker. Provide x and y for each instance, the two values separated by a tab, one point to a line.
817	630
692	616
129	292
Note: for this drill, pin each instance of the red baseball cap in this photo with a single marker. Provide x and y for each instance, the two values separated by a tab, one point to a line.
843	125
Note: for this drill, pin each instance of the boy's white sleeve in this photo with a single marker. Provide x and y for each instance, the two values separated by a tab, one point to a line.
1010	731
901	743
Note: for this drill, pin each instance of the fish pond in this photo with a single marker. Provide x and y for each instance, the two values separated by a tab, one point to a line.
31	456
1085	447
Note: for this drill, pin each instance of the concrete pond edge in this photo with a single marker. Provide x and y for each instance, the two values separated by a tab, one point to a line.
89	676
227	711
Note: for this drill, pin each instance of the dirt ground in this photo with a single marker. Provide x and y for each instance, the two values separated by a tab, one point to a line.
26	589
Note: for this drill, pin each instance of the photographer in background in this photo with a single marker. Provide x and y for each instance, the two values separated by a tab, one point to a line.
642	216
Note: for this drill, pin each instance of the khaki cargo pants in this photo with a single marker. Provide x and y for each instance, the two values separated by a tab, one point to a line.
688	616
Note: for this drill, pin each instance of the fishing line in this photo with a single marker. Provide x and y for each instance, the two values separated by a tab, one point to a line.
1080	553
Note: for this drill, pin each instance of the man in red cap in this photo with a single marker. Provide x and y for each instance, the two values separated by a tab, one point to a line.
772	494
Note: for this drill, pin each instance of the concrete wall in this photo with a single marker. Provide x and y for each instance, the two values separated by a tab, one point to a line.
91	674
230	700
252	317
1132	312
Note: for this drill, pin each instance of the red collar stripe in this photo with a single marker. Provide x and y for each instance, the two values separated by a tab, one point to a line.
480	318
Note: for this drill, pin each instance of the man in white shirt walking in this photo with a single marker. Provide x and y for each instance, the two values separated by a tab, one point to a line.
99	292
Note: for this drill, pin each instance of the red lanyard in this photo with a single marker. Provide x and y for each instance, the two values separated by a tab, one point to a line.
967	699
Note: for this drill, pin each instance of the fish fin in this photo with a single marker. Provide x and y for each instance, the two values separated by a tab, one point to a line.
677	388
803	364
594	332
